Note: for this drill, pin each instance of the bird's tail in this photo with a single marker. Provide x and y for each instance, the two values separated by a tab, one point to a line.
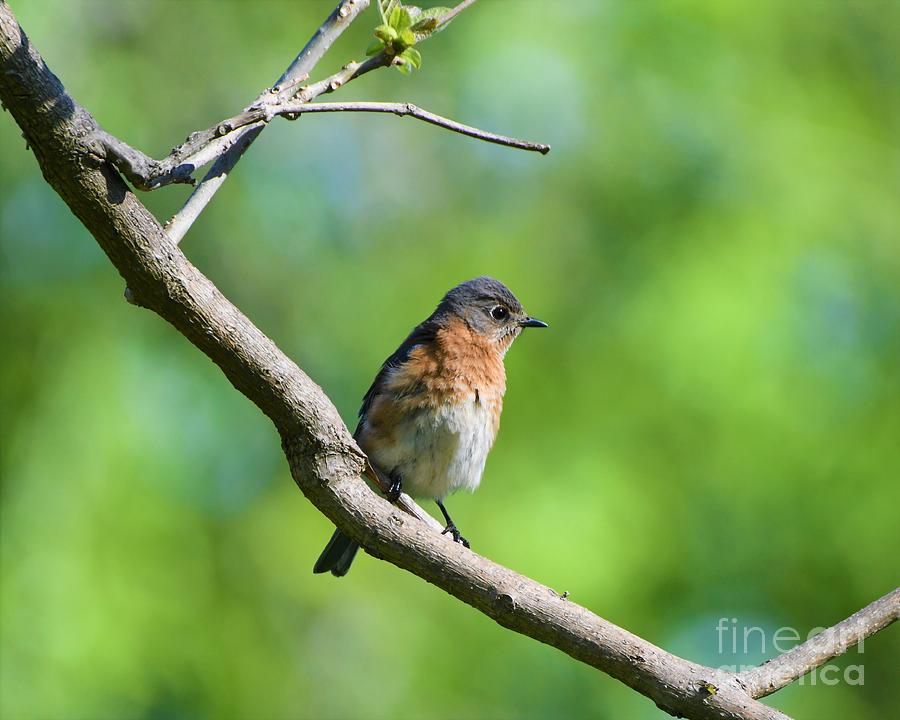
337	556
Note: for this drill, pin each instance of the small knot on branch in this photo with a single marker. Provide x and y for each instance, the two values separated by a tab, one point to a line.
95	155
506	602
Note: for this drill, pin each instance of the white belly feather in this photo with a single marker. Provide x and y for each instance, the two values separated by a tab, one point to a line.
440	451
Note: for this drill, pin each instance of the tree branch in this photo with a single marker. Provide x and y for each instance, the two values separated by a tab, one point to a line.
199	149
226	141
456	11
324	460
204	146
343	15
402	109
827	645
339	20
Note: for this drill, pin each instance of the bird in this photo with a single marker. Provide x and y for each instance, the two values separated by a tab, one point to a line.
431	415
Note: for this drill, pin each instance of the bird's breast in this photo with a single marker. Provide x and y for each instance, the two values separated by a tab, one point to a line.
434	421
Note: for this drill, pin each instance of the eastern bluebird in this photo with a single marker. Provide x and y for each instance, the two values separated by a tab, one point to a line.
431	415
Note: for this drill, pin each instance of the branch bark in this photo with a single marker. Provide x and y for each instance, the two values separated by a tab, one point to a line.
324	460
827	645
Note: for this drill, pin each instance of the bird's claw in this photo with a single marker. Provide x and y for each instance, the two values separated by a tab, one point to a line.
454	531
394	490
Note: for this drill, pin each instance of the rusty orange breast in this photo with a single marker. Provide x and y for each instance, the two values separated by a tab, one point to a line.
458	366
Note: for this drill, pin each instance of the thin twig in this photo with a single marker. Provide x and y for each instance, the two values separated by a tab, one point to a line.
259	115
339	20
456	11
204	146
350	71
181	222
178	225
329	31
226	141
828	644
411	110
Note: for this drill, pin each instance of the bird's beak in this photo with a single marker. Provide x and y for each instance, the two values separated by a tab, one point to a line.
532	322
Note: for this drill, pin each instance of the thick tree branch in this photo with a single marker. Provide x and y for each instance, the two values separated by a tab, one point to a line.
324	461
828	644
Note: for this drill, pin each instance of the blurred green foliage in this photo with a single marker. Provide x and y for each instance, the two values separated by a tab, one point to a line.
710	429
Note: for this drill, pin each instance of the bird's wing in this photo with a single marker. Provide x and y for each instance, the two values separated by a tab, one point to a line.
421	334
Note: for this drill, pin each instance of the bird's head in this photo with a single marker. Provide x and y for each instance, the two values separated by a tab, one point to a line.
489	309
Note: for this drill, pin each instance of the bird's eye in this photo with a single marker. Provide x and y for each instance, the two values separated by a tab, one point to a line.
498	312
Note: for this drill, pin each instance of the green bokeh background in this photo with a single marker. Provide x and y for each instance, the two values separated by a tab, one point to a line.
710	429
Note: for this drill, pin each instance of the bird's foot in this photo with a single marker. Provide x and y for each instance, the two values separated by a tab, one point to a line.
396	487
454	531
